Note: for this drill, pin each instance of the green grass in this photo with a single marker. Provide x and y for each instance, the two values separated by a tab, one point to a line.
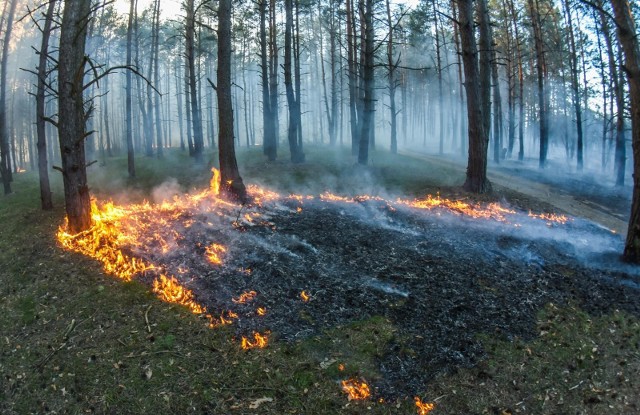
74	340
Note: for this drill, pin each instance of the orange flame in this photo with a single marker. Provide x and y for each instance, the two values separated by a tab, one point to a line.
169	290
214	184
261	311
305	297
424	407
356	389
260	341
213	251
549	217
245	297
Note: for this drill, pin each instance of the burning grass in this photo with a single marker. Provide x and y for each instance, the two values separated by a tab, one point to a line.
442	301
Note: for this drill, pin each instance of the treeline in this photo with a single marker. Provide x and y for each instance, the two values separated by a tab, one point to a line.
485	79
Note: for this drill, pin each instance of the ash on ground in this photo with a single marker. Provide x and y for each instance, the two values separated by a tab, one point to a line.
441	278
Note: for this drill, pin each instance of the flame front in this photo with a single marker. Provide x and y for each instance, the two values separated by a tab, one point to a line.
423	407
169	290
260	341
356	389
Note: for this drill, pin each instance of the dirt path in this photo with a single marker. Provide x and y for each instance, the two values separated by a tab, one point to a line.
572	204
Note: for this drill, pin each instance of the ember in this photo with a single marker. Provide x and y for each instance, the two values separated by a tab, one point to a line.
305	297
213	252
356	389
260	341
424	407
245	297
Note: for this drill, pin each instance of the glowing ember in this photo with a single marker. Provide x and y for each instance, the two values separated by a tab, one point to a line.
341	367
213	251
356	389
305	297
549	217
261	311
169	290
260	341
424	407
245	297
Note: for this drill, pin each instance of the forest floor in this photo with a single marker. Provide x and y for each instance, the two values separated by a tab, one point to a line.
477	315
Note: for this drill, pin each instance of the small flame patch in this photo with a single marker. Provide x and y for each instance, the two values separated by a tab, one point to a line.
423	407
356	389
260	341
305	297
245	297
213	252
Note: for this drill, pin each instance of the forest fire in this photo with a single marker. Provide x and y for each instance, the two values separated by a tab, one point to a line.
356	389
213	257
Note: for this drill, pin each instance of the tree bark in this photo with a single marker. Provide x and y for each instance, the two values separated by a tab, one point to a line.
128	107
543	101
43	164
71	120
476	181
198	140
5	152
627	35
575	88
367	82
269	138
230	181
292	134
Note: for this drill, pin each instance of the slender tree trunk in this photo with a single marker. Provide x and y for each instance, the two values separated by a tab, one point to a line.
5	152
367	82
541	64
71	120
575	88
128	107
627	35
269	140
273	73
156	81
230	181
187	96
292	134
198	140
476	181
497	109
618	92
392	64
179	102
43	164
352	70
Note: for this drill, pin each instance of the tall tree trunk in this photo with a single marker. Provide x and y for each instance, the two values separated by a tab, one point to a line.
627	34
392	65
575	88
352	69
179	102
292	134
196	118
187	96
269	139
71	120
273	72
43	164
128	108
476	181
156	81
439	71
497	109
484	45
541	64
5	152
367	82
618	92
230	181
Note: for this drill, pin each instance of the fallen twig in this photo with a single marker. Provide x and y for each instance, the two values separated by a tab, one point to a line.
146	318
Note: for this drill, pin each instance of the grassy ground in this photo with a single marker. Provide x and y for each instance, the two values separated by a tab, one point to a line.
74	340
